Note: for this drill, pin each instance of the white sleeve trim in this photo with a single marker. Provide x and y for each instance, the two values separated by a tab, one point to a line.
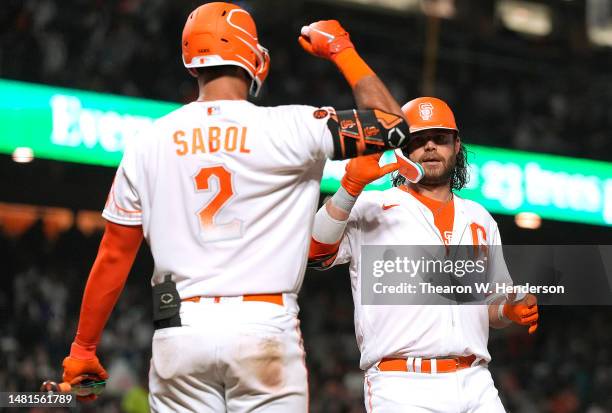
121	220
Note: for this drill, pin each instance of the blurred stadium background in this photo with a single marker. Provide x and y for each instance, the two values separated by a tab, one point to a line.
528	76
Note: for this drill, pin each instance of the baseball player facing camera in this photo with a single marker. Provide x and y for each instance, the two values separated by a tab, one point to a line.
419	358
217	188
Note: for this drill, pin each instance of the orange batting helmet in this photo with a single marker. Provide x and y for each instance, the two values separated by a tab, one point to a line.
429	113
218	34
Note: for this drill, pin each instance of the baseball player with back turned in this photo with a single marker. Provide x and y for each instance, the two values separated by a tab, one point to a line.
419	358
217	188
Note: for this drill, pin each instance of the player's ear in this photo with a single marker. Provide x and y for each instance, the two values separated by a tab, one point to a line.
457	144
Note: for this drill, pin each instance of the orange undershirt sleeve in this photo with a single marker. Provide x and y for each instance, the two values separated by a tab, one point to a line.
108	275
323	253
352	66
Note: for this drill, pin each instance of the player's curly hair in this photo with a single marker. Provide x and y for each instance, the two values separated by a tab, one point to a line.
459	176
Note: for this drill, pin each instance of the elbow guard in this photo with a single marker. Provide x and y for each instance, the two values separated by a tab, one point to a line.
363	132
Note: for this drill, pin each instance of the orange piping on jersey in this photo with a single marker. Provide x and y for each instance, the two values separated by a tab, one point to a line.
182	143
110	196
113	199
243	147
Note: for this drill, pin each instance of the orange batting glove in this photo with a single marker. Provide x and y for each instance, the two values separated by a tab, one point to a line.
325	39
363	170
82	361
524	312
328	40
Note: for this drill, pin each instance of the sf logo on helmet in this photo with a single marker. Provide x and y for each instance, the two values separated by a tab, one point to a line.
426	110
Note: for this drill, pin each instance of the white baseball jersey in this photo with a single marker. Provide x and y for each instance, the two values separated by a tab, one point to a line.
225	192
411	330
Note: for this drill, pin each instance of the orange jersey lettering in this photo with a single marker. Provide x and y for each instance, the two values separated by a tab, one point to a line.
212	140
177	139
197	142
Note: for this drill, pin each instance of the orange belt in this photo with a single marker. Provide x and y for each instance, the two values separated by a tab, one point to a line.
266	298
420	365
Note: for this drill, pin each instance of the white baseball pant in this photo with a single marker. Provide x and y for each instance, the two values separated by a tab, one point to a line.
230	356
469	390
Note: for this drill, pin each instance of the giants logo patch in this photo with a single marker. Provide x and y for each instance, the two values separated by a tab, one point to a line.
426	111
320	113
448	237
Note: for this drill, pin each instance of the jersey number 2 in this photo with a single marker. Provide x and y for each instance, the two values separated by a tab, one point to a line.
210	229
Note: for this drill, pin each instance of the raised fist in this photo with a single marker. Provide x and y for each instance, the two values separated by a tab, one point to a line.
325	39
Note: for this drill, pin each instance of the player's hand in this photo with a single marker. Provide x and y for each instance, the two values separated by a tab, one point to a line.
524	312
363	170
325	39
76	368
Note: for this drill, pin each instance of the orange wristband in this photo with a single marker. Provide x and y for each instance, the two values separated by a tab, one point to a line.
352	66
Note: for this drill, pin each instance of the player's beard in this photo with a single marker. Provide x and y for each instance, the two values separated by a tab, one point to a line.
438	175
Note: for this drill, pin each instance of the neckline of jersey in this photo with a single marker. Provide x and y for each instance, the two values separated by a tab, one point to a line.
220	100
430	203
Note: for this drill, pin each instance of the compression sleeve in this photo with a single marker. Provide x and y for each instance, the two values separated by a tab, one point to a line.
108	275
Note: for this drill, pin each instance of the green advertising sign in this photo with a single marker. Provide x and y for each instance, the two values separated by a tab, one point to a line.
86	127
71	125
555	187
508	182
